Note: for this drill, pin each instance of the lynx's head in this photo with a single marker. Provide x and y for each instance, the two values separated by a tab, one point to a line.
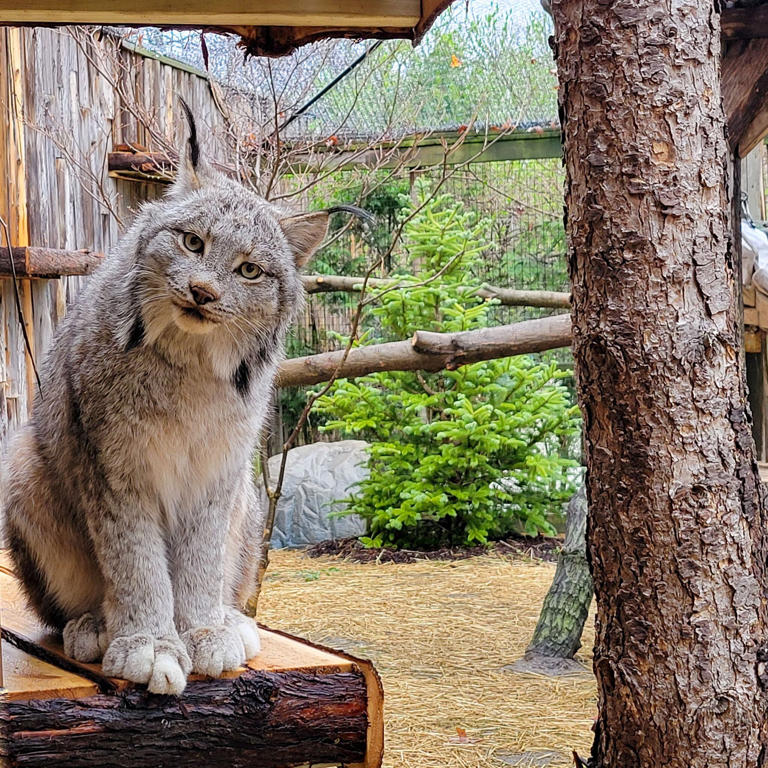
213	255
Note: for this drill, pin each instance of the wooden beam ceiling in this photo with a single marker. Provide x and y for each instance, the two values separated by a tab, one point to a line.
744	73
266	27
275	13
744	23
744	76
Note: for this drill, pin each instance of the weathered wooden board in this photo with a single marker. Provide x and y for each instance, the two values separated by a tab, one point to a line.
266	28
27	677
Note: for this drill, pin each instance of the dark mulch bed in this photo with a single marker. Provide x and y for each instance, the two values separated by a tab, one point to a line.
540	547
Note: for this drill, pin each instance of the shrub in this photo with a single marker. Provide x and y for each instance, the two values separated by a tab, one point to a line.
457	457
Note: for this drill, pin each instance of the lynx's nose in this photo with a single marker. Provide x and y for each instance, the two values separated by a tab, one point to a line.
202	294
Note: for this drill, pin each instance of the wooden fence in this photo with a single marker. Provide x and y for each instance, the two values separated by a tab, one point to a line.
67	98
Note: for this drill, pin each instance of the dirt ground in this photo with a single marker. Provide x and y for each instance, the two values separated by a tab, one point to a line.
440	634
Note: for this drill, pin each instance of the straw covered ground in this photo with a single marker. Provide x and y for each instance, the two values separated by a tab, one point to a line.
440	634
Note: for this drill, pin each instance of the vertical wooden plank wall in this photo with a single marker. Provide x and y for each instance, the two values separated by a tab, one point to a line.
65	99
13	209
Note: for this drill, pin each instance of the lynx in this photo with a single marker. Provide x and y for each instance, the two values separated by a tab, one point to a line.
128	502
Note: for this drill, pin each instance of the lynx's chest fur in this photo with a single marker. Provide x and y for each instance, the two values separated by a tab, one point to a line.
200	444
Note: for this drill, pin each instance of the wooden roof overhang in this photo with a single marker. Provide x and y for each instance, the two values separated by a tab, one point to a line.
265	27
744	73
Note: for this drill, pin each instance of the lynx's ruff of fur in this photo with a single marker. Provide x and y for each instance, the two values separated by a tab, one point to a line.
128	500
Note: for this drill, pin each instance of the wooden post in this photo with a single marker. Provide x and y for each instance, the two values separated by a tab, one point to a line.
17	221
293	704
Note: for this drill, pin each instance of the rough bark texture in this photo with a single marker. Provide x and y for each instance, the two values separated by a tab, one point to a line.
262	719
676	529
557	636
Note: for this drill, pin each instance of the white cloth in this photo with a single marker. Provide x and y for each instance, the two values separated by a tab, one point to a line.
754	256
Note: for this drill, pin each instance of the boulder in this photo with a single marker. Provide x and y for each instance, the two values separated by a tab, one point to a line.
317	477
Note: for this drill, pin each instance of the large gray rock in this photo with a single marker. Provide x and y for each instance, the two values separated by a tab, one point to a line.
317	477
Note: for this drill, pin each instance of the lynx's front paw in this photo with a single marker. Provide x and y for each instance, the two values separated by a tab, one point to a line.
246	628
161	663
214	650
85	639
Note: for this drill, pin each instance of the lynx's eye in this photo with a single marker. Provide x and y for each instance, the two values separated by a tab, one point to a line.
192	242
250	271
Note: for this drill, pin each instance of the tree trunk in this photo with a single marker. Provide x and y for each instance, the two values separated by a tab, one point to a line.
557	636
676	528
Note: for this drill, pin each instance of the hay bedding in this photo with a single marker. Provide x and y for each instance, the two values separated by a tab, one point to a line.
440	634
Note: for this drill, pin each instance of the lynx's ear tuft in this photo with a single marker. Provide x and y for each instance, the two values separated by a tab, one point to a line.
190	169
304	234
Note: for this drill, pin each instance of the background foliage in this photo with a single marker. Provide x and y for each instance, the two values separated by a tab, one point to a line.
457	457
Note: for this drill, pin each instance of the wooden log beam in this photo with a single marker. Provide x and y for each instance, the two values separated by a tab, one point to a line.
512	297
428	351
148	166
744	83
744	23
268	719
359	17
33	262
342	283
413	152
507	296
36	262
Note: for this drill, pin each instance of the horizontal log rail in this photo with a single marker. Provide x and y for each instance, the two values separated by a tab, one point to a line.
512	297
508	296
429	351
34	262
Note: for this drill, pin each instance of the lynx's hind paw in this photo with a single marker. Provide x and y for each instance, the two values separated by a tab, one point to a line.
85	639
161	663
214	650
246	628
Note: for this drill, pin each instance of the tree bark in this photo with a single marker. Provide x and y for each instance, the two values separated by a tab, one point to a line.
557	636
429	351
265	719
677	527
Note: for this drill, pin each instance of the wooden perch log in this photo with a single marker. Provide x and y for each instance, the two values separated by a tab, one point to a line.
268	719
31	261
293	704
507	296
428	351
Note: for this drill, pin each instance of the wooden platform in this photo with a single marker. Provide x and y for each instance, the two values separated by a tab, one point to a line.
294	704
